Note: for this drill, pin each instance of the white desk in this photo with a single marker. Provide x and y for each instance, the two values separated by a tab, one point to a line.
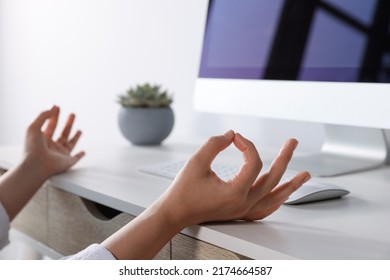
355	227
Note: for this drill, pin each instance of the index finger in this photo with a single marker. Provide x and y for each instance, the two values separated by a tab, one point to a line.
252	162
51	127
41	119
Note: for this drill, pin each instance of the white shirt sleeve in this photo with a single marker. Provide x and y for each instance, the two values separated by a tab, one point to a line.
4	227
92	252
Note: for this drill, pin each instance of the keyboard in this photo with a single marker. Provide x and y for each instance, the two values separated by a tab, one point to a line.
224	171
170	169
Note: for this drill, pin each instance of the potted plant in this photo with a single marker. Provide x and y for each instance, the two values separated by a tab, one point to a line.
145	117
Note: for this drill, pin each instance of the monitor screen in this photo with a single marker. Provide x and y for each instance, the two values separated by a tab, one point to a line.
271	39
332	41
323	61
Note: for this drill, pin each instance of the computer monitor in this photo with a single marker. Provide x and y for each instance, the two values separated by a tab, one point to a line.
325	61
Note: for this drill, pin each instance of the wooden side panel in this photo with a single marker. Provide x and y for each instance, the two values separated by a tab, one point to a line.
188	248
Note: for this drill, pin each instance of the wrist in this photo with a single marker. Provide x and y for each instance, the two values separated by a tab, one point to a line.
171	223
34	166
169	212
146	235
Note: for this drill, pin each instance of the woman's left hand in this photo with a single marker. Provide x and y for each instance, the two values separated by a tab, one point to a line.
52	156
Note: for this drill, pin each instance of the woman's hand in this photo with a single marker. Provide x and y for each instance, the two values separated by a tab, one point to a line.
43	158
51	156
198	195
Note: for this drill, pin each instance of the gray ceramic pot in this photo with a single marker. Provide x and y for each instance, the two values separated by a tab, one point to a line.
144	125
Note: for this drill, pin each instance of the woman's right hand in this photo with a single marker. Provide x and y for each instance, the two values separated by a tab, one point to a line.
198	195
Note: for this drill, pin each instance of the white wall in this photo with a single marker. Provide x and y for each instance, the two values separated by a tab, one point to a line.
81	54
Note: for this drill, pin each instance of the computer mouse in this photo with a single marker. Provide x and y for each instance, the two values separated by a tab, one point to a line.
315	191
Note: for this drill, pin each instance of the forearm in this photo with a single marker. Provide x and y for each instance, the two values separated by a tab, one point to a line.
145	236
19	184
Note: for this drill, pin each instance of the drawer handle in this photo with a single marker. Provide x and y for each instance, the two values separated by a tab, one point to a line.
100	211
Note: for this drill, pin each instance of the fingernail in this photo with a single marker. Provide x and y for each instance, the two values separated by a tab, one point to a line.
229	133
291	143
240	139
295	143
306	178
54	107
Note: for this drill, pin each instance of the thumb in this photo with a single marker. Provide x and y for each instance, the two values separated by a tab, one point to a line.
214	145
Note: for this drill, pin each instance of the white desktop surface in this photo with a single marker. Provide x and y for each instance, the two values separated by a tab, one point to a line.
354	227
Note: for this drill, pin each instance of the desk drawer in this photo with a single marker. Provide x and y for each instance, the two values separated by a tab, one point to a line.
74	223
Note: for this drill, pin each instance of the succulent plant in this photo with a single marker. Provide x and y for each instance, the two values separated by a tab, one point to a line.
146	95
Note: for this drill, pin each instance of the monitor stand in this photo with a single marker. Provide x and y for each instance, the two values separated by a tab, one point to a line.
346	150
